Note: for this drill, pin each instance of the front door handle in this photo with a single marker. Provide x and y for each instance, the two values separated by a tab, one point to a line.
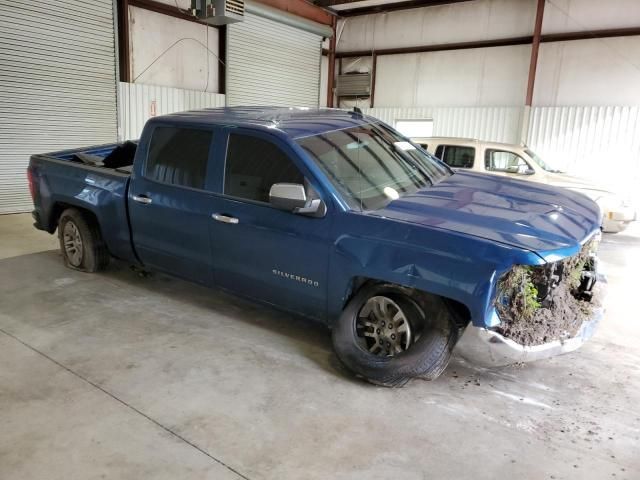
142	199
225	219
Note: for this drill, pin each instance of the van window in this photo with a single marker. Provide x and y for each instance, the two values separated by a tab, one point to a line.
503	161
456	156
179	156
254	165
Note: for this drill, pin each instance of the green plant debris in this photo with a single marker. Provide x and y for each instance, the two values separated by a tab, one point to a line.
530	320
575	274
522	293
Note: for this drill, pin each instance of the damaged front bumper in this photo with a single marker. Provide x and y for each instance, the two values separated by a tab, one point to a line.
488	348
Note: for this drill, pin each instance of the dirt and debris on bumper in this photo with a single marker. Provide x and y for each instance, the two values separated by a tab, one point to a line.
562	327
489	348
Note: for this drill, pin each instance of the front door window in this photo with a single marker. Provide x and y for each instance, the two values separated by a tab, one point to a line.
506	162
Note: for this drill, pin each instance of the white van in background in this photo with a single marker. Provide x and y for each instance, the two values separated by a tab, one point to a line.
518	161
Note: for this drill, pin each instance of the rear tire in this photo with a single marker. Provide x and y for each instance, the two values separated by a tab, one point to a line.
81	243
433	338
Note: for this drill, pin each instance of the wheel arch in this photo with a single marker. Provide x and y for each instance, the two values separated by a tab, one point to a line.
460	312
60	206
110	218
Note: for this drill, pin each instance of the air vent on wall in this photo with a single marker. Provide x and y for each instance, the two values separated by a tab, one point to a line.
218	12
353	85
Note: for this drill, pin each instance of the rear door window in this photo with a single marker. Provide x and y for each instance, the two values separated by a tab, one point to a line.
179	156
254	165
456	156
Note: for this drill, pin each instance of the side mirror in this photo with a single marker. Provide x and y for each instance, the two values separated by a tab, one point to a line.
525	170
292	197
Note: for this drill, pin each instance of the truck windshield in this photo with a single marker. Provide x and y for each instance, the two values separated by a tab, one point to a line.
371	165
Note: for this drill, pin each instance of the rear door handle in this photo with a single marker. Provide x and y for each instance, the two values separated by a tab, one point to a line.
225	219
142	199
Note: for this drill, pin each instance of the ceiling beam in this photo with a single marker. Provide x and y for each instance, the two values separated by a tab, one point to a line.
165	9
502	42
302	9
384	7
331	3
295	7
590	34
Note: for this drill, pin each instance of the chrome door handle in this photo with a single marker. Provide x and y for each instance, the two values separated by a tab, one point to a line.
142	199
225	219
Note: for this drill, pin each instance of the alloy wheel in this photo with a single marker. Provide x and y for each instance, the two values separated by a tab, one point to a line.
72	241
383	328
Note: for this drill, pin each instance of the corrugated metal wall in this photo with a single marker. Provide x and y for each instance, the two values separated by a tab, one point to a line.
498	124
270	63
57	85
599	142
140	102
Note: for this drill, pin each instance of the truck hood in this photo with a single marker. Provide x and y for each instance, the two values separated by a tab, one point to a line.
589	188
550	221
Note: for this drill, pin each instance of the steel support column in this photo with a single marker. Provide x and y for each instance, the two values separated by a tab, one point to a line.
331	64
123	40
535	48
374	67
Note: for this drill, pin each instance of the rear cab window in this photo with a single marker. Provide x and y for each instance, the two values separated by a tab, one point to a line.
456	156
253	165
179	156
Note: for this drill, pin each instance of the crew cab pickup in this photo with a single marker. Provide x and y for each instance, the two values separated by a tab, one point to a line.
334	215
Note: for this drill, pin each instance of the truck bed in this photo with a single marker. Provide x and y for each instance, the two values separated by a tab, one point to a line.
92	178
113	156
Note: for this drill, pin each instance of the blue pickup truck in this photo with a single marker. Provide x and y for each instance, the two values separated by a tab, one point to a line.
334	215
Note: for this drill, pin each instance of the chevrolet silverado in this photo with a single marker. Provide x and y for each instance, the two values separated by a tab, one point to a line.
334	215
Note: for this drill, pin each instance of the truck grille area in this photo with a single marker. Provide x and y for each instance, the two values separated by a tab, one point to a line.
537	305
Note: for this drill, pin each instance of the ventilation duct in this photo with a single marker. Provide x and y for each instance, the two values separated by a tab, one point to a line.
353	85
218	12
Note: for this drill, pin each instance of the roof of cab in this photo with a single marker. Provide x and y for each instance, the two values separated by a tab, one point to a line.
294	122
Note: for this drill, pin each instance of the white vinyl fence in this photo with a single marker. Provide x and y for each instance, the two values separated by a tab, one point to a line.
140	102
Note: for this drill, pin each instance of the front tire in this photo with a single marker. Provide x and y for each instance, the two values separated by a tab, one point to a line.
81	243
404	337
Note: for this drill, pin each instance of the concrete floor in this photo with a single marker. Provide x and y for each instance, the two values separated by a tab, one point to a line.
117	376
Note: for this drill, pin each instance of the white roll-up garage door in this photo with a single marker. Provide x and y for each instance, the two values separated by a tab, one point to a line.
57	84
270	63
